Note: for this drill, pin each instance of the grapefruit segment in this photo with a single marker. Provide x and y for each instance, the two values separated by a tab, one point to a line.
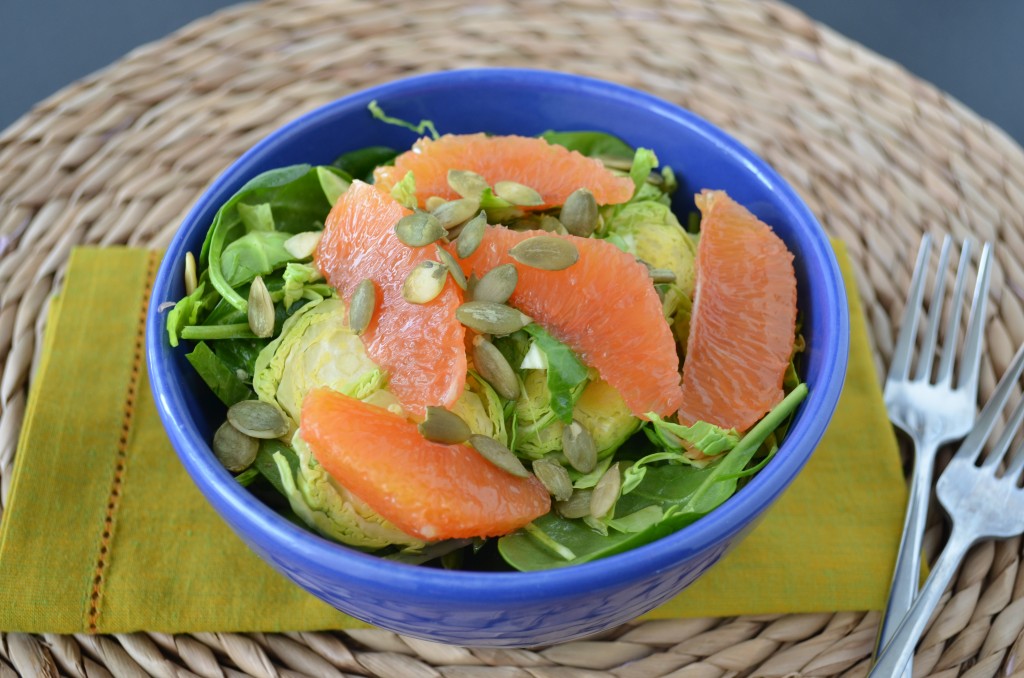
604	307
420	346
429	490
553	170
743	324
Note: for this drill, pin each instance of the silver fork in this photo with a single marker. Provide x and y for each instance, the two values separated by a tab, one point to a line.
981	503
931	412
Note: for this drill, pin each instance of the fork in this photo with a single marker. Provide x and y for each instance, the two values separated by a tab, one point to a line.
981	503
931	412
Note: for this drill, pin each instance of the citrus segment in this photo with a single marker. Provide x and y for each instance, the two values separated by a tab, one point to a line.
744	317
553	170
429	490
420	346
604	307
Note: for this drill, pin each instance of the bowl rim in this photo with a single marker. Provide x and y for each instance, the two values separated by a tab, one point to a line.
334	561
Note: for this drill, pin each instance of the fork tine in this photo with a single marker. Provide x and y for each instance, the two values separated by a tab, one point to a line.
1016	463
971	365
944	375
900	366
975	440
1003	444
926	357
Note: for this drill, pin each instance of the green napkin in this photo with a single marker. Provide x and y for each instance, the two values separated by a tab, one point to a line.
104	532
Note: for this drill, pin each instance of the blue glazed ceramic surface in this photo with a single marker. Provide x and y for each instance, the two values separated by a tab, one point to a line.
509	609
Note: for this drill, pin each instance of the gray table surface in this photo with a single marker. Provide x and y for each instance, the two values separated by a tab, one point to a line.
972	50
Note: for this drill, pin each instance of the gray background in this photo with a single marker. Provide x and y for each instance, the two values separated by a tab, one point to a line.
972	49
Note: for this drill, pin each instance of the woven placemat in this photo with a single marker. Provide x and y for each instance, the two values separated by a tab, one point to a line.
879	156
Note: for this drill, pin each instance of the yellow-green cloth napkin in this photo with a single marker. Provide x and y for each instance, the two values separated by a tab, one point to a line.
105	532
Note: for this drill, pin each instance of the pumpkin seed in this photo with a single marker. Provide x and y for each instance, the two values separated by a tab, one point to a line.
624	164
424	282
662	275
190	274
518	194
554	478
488	317
471	235
547	252
497	284
579	213
443	426
576	506
578	447
419	229
302	245
494	368
261	309
258	419
235	450
499	455
361	306
433	202
453	266
455	212
552	225
606	492
467	184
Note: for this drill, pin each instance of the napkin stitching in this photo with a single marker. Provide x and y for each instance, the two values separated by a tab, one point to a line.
121	459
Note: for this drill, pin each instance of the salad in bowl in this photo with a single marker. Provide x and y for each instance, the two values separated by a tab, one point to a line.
510	378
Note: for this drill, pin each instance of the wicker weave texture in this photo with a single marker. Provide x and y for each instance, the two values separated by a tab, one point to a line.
879	156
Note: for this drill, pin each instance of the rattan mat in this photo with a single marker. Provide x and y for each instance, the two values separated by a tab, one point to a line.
880	157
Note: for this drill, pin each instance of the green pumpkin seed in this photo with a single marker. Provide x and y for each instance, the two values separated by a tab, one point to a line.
361	306
453	266
546	252
191	282
433	202
456	212
471	235
302	245
554	478
235	450
518	194
499	455
424	282
576	506
443	426
578	447
606	492
662	275
579	214
261	309
467	184
419	229
494	368
497	284
258	419
487	317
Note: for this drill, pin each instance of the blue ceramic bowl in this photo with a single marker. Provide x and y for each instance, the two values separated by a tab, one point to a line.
510	609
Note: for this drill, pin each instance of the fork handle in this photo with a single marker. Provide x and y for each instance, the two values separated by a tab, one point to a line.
907	575
897	653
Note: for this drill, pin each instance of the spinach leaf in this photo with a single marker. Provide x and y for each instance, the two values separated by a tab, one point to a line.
565	373
299	200
267	467
255	253
239	354
360	163
221	379
593	144
680	494
186	312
